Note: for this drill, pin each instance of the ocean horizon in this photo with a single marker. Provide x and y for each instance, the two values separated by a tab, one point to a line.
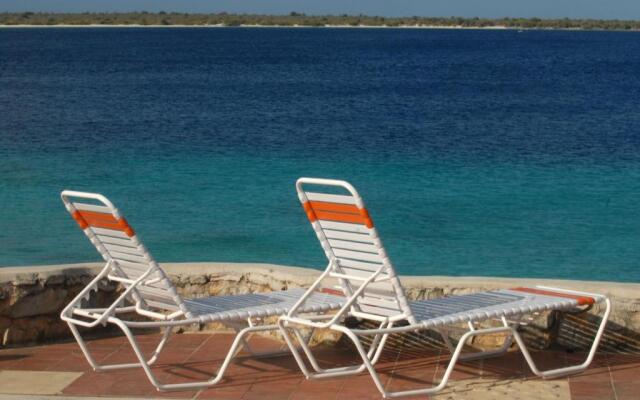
478	152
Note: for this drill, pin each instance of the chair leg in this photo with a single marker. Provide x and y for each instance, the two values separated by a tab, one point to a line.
294	349
145	363
554	373
373	355
107	367
426	391
217	377
319	371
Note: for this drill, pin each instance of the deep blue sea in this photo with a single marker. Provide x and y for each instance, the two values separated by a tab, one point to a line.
478	152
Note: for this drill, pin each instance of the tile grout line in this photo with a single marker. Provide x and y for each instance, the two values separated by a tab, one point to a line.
435	371
106	357
568	377
295	390
186	360
393	371
613	386
117	349
342	381
395	366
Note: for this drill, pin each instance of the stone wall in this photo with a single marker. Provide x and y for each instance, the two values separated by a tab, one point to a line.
31	299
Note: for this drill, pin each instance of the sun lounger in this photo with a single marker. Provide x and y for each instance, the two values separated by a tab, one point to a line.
149	293
374	293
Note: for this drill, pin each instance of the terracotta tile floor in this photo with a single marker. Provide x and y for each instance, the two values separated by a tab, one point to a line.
195	356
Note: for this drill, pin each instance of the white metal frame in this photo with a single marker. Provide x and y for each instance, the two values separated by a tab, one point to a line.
165	319
370	356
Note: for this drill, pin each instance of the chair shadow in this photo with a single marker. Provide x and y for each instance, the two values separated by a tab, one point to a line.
576	331
405	355
12	357
403	360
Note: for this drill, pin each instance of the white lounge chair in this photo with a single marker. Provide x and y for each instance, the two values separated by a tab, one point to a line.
373	291
148	292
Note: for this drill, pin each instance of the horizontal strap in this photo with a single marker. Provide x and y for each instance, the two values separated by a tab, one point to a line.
365	266
354	237
91	207
355	228
122	249
357	255
131	273
162	306
90	216
334	292
117	241
372	301
382	291
163	283
348	277
133	265
582	300
361	217
109	232
129	257
127	272
102	220
359	273
331	198
120	279
332	216
378	311
343	244
337	212
335	207
156	293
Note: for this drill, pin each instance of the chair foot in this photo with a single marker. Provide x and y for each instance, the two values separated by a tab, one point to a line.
574	369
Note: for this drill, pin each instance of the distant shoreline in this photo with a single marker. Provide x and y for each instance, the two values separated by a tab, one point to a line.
162	19
496	27
252	26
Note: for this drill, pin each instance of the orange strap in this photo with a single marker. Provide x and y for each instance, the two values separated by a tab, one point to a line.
335	292
337	212
582	300
86	219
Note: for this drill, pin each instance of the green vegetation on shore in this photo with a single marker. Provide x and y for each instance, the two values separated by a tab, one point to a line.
300	19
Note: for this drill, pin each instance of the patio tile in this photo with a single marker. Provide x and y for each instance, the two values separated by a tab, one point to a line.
315	386
624	368
302	395
35	382
628	390
522	389
32	364
8	360
361	387
592	391
194	357
90	384
223	392
511	365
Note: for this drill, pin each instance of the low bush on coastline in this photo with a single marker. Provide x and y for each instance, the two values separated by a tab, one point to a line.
301	19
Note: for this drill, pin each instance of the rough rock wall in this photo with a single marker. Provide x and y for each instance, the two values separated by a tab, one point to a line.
31	299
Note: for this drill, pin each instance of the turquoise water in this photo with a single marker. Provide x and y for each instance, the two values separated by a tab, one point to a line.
477	152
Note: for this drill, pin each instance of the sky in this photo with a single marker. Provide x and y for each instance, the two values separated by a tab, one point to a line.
598	9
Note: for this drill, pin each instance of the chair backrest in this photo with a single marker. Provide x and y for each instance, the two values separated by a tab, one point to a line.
119	245
354	249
